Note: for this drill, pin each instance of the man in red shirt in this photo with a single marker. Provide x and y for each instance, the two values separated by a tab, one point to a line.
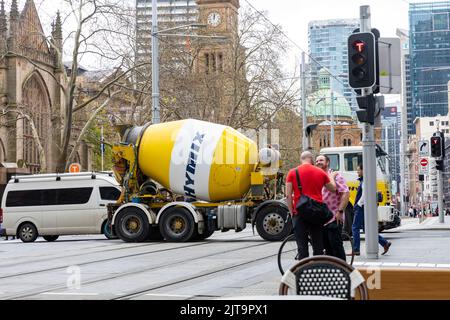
312	180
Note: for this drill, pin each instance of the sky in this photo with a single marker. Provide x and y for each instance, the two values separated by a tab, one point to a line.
294	15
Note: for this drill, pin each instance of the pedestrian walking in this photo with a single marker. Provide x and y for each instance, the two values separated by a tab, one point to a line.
337	202
411	212
312	180
358	219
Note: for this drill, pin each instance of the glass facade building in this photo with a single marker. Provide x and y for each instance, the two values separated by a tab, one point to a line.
328	48
429	61
171	13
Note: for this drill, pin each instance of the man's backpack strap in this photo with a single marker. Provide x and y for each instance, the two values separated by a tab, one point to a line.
299	183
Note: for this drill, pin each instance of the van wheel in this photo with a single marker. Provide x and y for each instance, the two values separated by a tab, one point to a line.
50	238
272	223
106	230
132	225
27	232
177	225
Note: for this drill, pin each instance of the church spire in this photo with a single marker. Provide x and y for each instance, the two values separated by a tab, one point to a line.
58	27
14	14
3	26
57	39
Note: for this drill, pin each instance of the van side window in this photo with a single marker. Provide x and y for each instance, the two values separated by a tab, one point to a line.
50	197
74	196
109	193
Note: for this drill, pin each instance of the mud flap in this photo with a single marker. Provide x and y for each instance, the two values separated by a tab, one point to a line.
253	221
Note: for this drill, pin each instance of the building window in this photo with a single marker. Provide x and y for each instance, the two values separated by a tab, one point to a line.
207	63
431	123
213	62
440	21
349	142
345	142
220	56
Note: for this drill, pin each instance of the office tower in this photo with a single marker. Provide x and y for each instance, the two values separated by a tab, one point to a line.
171	13
328	48
429	60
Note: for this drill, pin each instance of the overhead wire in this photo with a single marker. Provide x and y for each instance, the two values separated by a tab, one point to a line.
294	43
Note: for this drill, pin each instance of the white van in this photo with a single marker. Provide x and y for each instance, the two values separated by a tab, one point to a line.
51	205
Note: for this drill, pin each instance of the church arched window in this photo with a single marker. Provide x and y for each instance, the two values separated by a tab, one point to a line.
36	105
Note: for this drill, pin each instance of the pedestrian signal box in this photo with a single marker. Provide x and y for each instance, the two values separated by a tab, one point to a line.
362	60
436	146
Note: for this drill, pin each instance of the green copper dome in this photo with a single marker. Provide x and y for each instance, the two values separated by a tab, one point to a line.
320	103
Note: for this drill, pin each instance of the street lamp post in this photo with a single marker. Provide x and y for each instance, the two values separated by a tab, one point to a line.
332	118
155	64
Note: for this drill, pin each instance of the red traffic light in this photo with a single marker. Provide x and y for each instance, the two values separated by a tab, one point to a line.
359	46
436	147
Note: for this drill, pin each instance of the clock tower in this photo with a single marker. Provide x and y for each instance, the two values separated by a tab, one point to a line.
220	16
218	55
221	19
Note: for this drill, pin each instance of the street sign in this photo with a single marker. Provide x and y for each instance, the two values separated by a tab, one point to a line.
75	168
423	168
424	148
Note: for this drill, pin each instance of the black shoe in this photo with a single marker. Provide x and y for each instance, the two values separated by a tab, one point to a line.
386	248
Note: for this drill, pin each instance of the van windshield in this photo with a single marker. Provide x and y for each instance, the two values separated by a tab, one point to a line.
352	160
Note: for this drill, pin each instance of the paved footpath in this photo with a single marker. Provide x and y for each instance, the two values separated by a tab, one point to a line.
415	244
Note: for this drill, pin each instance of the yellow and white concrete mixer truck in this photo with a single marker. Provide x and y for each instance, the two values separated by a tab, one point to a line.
185	179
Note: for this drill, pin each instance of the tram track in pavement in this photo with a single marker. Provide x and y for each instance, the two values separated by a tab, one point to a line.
133	272
174	246
100	249
167	284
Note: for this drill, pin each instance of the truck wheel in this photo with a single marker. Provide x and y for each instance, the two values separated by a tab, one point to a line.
27	232
50	238
205	235
271	223
106	230
155	234
132	225
177	225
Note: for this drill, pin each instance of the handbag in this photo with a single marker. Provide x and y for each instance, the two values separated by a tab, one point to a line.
311	210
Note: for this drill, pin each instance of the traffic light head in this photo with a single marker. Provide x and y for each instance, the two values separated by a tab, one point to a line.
436	146
362	56
440	165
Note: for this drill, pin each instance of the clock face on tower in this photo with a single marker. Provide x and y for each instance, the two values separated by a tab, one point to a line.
214	19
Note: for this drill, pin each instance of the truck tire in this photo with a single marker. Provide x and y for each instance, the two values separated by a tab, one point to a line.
106	230
155	234
271	223
205	235
132	225
177	225
27	232
50	238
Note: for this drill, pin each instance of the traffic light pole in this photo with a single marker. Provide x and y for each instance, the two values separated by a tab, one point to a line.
440	196
369	165
304	103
